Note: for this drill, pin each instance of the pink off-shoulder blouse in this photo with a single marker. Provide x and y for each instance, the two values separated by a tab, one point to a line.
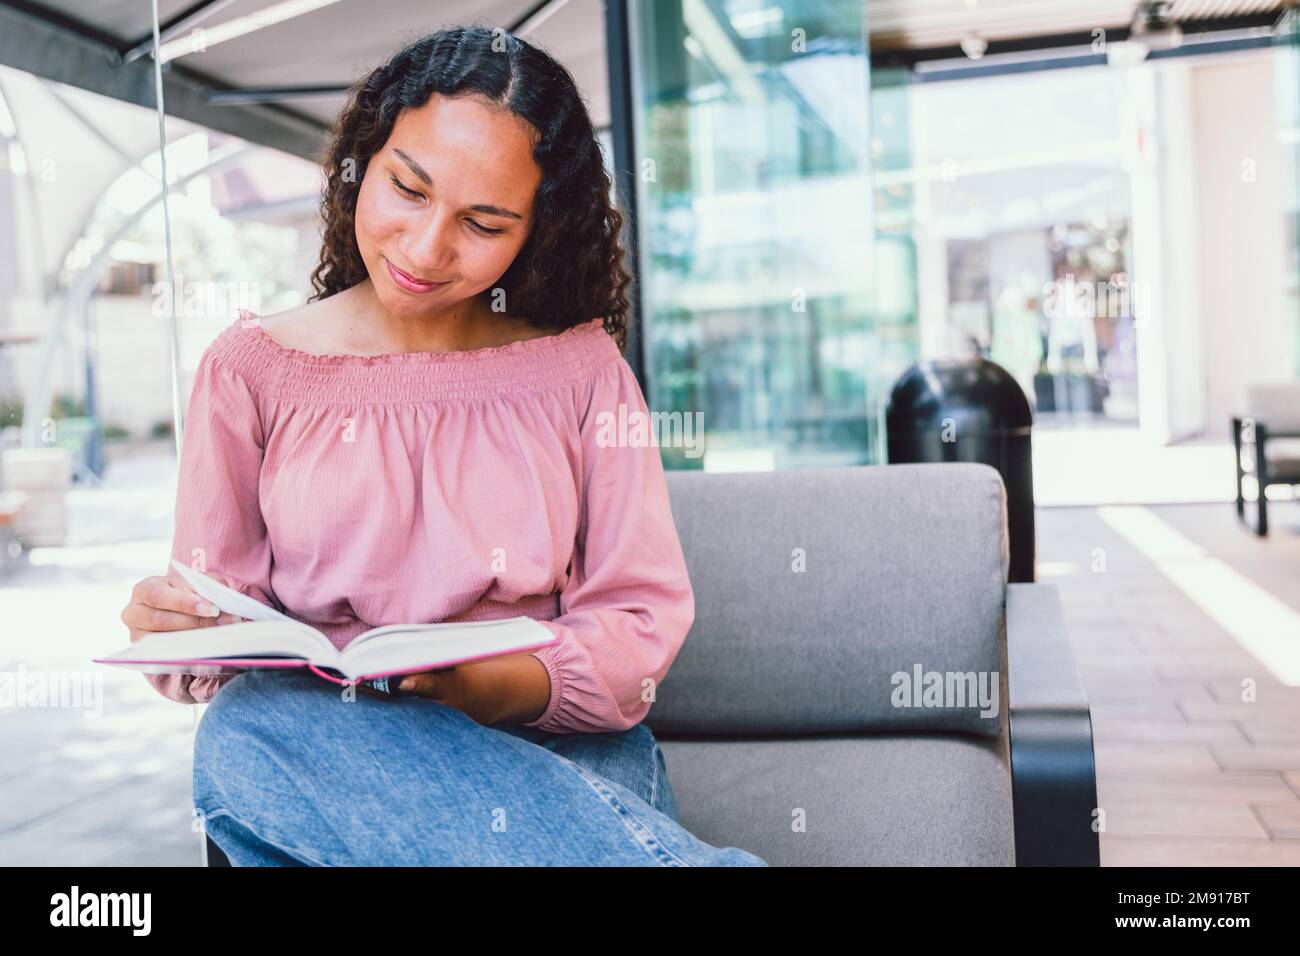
356	491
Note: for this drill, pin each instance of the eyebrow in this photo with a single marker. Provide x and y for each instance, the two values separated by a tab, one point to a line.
481	207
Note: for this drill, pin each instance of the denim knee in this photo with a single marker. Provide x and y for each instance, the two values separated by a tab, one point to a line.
243	725
222	735
242	701
213	722
281	716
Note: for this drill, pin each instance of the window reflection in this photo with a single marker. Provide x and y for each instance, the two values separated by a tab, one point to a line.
754	207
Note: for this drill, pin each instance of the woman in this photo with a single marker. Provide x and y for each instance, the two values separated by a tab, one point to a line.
423	441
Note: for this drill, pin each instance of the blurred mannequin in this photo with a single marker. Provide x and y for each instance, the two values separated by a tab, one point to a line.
1017	345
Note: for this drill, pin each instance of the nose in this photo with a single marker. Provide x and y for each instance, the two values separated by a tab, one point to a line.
430	245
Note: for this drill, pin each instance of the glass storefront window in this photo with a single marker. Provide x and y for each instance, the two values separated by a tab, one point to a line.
753	197
1001	200
1286	64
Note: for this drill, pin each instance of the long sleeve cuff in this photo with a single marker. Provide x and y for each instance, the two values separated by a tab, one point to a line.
547	655
628	604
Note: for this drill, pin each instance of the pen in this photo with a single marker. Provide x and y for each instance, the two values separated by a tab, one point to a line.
388	684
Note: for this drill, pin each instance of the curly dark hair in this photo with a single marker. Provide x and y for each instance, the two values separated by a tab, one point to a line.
574	244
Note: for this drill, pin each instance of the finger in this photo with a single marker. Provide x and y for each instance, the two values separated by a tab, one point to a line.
140	617
429	684
225	617
144	618
167	595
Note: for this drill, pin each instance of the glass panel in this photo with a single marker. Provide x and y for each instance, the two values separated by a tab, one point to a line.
898	287
755	218
1001	209
1287	76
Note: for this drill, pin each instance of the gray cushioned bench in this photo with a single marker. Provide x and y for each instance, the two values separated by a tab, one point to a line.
778	720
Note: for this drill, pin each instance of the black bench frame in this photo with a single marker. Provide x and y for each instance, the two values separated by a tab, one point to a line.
1256	436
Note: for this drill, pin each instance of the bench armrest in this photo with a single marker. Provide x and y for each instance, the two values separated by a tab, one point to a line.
1239	422
1053	774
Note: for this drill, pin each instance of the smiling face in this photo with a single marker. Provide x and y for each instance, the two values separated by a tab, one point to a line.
448	199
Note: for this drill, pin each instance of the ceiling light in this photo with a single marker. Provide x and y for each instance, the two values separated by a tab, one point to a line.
974	46
1154	26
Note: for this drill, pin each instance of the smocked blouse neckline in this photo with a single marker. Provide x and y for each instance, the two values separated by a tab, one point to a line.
542	343
548	362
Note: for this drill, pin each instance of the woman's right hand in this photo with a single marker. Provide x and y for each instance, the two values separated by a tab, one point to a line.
160	603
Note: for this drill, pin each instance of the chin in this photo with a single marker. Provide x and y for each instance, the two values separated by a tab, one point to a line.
400	302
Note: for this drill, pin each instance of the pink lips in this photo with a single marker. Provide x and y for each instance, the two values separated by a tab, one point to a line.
411	284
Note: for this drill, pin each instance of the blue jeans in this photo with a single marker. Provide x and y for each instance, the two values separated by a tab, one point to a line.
287	773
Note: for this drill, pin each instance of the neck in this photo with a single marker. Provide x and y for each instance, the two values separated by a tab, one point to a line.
462	325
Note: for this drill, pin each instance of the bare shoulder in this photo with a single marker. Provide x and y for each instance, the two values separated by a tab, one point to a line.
521	330
309	327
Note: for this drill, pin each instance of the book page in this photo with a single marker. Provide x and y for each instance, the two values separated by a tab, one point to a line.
248	639
231	601
432	628
406	648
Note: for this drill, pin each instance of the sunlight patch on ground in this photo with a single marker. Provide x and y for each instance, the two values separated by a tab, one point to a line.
1263	626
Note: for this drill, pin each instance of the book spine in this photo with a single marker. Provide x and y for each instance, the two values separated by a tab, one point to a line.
329	677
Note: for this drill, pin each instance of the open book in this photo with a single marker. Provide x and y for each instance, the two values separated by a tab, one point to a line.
271	639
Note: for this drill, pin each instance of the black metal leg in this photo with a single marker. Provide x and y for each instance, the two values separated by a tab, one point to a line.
1261	472
216	856
1255	438
1241	474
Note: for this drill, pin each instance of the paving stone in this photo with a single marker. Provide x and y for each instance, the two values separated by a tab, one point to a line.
1189	817
1175	731
143	809
1229	785
39	848
1257	756
1143	758
1181	851
1281	818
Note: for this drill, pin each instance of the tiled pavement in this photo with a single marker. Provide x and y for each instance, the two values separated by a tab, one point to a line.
106	782
1187	773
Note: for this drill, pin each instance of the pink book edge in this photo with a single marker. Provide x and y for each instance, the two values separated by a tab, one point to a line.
298	662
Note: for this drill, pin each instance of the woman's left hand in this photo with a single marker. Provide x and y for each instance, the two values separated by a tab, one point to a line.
508	687
447	685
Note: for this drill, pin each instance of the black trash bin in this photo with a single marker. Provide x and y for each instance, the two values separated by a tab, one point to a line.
970	410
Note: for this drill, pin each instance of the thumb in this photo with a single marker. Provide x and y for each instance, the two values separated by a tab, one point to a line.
429	684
